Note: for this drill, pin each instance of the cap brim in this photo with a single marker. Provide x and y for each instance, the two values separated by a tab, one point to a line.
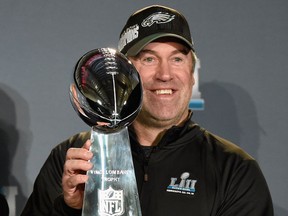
136	48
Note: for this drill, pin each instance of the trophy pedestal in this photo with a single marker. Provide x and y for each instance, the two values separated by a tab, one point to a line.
111	189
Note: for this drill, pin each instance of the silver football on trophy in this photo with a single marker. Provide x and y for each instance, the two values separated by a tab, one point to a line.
106	90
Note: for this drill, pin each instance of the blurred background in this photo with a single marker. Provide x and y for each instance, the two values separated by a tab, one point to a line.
243	75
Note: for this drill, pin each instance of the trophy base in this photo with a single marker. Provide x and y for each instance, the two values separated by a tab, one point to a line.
111	189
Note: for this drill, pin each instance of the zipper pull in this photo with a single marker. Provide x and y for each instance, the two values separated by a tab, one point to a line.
146	172
145	177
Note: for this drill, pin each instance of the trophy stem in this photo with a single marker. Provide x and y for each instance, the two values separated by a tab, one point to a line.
111	189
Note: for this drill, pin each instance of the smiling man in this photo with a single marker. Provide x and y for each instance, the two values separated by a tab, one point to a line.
181	168
165	68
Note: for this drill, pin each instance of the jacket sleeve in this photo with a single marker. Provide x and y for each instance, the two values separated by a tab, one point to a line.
46	198
60	208
246	193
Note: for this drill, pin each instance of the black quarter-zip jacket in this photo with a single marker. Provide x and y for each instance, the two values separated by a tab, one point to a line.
191	172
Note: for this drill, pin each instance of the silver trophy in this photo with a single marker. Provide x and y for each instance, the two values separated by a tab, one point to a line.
107	94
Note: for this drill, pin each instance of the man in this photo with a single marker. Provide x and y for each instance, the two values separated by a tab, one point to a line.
181	169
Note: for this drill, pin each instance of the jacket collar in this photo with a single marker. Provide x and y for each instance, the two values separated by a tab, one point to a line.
171	135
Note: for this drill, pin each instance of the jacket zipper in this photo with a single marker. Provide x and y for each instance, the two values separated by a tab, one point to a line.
147	156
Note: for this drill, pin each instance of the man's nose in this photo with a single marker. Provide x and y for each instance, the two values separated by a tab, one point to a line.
164	71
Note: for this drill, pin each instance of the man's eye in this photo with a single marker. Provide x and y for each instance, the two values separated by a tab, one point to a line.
177	59
149	61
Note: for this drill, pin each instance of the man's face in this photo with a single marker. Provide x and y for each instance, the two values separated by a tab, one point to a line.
166	72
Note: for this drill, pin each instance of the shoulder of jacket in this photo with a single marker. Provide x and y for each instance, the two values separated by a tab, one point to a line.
224	146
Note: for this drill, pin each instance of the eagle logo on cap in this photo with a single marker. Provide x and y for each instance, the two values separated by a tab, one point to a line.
157	18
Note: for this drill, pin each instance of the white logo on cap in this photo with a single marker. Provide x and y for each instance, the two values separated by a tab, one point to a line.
157	18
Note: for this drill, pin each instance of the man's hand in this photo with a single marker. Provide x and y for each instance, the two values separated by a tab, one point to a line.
74	175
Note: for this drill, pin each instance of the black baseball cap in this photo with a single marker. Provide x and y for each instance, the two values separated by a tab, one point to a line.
151	23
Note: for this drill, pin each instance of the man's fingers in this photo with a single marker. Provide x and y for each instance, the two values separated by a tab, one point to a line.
73	190
79	153
72	182
73	179
72	167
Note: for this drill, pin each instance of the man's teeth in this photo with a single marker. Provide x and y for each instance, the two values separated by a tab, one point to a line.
164	91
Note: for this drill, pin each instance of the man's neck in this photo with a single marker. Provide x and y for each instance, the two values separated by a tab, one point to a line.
148	136
150	132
